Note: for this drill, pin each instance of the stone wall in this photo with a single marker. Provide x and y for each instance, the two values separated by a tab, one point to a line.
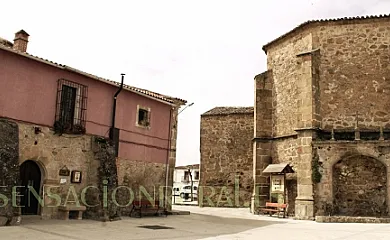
286	74
291	195
285	151
348	219
107	210
294	68
323	73
226	158
359	187
146	181
52	153
262	146
79	152
354	71
354	178
172	155
9	171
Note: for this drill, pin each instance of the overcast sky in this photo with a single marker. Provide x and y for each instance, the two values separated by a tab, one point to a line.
204	51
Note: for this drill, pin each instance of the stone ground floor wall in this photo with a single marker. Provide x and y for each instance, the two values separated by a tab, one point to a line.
229	195
354	178
291	195
9	171
350	178
53	153
141	180
225	190
284	150
359	187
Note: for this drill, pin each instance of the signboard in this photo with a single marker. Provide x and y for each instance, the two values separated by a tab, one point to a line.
76	177
277	183
64	171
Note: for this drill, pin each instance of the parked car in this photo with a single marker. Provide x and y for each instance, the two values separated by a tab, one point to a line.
176	191
185	192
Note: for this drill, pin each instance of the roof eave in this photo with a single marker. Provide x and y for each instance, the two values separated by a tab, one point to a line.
70	69
226	114
310	22
116	85
282	37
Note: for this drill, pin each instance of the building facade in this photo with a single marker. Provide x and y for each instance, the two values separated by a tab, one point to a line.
185	178
57	118
182	176
323	107
226	167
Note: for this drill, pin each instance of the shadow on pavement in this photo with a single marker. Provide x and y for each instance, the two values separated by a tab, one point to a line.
194	226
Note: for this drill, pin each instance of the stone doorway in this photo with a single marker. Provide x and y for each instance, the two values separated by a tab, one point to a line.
360	187
30	175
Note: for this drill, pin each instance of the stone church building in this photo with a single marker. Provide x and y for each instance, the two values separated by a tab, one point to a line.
322	106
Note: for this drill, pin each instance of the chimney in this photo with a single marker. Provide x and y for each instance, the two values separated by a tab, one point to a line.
20	41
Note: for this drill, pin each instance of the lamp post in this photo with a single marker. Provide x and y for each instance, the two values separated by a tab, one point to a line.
189	171
174	196
189	105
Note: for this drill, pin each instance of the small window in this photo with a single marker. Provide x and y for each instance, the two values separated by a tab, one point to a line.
143	117
196	175
186	176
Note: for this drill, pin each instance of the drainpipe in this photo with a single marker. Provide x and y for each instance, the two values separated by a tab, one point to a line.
114	135
167	162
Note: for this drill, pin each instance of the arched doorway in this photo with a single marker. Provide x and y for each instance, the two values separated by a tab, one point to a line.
360	187
30	175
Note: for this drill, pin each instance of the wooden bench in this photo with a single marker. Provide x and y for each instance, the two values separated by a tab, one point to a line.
273	208
146	206
65	210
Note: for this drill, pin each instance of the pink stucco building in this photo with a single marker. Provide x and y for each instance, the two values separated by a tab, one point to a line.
60	110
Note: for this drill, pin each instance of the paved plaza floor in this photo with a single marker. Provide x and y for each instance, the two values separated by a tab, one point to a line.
202	223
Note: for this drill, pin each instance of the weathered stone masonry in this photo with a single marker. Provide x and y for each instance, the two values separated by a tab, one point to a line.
328	82
52	153
262	138
9	171
354	178
79	152
226	157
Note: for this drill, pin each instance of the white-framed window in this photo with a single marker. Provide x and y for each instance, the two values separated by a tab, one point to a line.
143	117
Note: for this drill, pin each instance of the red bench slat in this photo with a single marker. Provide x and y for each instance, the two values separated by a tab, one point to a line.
277	205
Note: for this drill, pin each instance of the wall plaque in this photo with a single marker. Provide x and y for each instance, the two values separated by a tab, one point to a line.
64	171
76	177
277	183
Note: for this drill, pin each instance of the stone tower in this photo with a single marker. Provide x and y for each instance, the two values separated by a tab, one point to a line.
323	107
